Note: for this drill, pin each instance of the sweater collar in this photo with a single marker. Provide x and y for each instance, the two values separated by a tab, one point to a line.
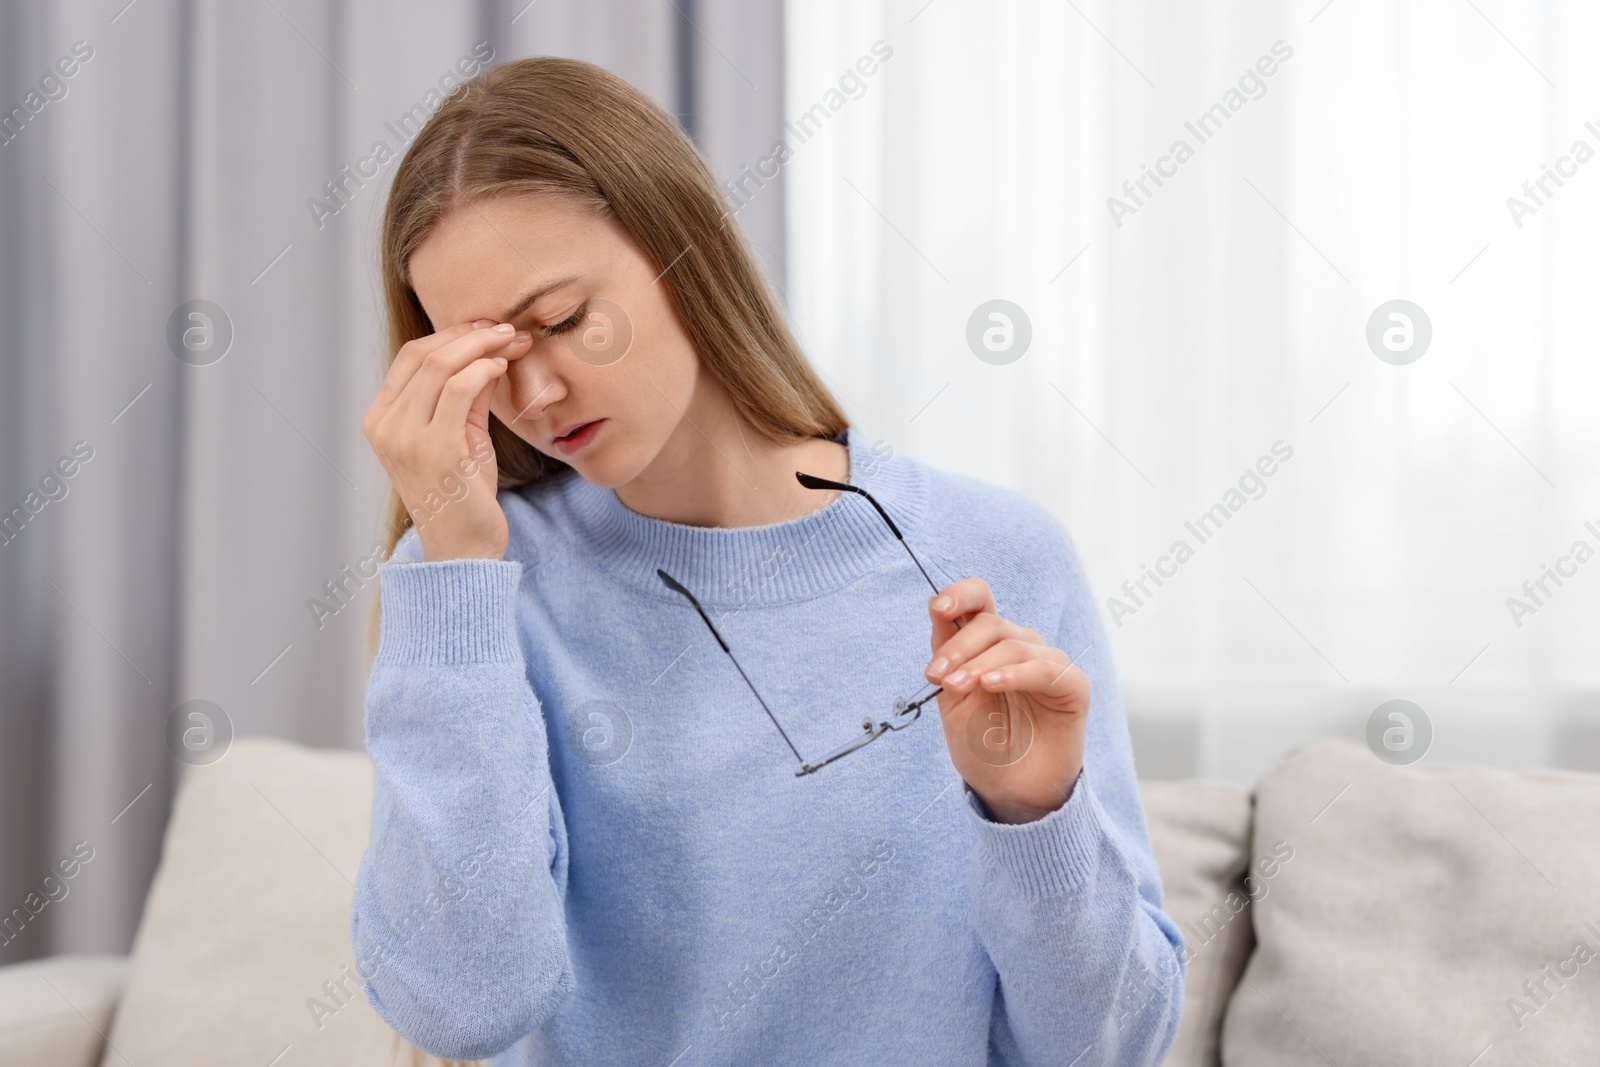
750	565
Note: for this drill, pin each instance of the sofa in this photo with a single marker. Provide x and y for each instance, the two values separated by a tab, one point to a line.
1342	912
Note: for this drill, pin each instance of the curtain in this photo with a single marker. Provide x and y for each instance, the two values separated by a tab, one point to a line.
191	326
1200	218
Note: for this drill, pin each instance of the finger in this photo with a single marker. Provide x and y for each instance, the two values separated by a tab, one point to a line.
1049	680
420	397
980	632
462	393
478	414
955	603
410	356
1002	653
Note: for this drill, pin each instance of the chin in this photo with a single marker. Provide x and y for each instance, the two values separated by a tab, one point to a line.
610	463
596	467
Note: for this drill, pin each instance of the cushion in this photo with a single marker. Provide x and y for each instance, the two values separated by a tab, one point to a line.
247	923
1200	834
54	1012
248	915
1430	914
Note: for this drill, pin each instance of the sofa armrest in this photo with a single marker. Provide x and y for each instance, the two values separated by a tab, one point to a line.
56	1011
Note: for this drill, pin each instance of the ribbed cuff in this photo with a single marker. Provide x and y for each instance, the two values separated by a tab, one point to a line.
1047	857
449	611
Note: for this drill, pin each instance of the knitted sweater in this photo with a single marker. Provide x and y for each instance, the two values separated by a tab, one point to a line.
589	844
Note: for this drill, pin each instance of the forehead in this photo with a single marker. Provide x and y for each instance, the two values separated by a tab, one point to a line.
480	259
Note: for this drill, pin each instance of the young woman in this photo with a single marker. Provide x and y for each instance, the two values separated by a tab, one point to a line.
626	809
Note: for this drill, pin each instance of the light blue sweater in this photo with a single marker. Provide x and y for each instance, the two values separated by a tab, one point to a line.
589	844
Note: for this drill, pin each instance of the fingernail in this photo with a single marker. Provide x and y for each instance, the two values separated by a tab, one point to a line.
522	337
504	327
481	323
992	677
944	603
939	666
502	361
956	677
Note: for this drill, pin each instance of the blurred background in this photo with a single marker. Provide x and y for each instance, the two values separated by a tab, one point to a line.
1128	258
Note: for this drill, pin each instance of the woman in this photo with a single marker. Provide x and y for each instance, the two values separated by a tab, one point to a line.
625	811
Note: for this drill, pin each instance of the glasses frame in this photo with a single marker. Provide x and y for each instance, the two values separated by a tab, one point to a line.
905	712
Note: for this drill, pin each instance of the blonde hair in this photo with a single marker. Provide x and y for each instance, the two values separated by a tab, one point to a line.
556	126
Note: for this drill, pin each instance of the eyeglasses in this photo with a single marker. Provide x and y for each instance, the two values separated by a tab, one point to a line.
905	712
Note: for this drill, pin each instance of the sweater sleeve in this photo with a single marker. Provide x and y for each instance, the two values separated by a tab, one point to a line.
1069	907
458	921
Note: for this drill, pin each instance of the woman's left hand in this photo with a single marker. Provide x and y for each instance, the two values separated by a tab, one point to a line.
1015	710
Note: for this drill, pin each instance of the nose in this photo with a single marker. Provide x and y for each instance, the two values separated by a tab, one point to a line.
530	389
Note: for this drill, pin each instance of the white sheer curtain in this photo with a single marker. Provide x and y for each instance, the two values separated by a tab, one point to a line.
1368	157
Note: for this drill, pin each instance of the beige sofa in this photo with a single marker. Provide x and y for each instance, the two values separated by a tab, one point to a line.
1428	915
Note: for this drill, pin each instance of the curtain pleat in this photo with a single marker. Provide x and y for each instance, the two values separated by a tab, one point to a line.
189	170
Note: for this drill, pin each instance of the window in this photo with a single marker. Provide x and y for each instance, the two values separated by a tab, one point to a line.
1199	316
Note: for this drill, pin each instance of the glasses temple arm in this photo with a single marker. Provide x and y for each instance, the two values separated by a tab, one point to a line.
673	583
811	481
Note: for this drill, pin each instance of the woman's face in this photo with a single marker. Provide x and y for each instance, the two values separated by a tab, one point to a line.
606	346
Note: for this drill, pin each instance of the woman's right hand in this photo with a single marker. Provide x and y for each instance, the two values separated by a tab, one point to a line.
430	428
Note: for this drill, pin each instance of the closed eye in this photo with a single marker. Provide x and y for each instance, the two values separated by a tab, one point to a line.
569	323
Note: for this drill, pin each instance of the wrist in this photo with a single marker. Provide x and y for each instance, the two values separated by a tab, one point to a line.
1015	812
437	550
455	554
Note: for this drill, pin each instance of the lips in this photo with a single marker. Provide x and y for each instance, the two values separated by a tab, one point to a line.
579	436
570	428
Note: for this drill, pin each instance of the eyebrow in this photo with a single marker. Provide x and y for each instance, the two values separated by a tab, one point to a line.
533	294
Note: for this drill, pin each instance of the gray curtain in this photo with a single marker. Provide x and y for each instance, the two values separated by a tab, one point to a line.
171	517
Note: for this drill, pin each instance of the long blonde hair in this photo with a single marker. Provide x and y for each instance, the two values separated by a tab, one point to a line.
563	127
